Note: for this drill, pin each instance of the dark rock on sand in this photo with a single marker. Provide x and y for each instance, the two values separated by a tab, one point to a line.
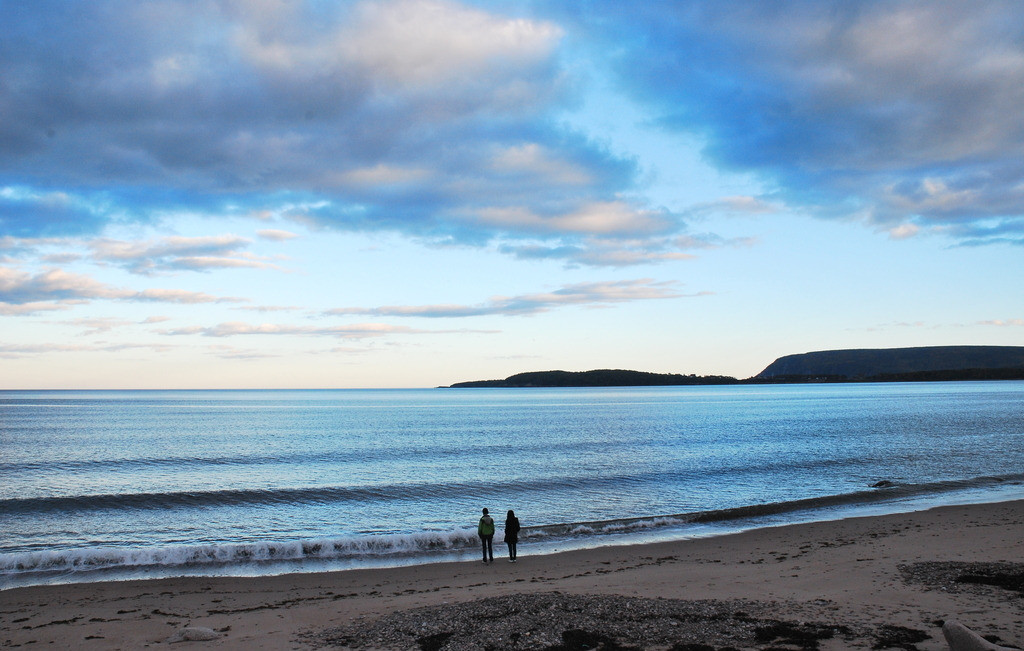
961	638
956	576
899	637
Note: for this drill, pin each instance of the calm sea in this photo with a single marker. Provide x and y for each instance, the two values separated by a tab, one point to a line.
126	484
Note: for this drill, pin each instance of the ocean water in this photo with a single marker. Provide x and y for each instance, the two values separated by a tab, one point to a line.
127	484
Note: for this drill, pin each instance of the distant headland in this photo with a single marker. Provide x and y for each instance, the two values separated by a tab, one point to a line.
921	364
597	378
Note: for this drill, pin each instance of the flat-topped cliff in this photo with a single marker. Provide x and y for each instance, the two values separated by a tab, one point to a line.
881	363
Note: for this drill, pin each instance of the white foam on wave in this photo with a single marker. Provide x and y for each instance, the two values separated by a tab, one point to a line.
191	556
87	564
355	547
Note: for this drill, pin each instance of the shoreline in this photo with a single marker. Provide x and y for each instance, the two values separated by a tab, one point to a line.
271	558
847	571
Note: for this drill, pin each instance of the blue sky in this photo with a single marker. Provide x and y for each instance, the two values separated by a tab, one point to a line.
270	193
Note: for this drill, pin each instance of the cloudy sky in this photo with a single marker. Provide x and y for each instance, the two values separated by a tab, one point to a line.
409	193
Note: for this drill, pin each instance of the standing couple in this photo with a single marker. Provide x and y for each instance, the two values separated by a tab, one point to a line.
486	532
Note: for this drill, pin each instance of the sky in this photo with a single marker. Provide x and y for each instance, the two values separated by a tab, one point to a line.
411	193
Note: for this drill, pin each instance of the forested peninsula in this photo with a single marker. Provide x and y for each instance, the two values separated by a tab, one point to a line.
598	378
920	364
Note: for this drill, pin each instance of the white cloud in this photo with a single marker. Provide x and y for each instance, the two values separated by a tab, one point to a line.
269	308
25	350
18	287
276	235
180	253
379	175
535	160
889	112
1003	322
602	256
903	231
428	42
235	353
179	296
54	289
356	331
596	218
35	307
623	251
98	325
737	204
14	351
595	294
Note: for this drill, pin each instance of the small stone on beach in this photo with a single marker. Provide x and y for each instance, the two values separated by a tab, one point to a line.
193	634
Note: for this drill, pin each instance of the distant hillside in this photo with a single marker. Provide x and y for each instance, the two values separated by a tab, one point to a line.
597	378
931	363
893	364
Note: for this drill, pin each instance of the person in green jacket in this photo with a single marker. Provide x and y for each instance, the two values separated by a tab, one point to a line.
486	532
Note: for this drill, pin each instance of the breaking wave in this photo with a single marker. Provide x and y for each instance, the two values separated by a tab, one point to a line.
242	558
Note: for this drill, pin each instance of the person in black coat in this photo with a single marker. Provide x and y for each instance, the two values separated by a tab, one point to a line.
511	534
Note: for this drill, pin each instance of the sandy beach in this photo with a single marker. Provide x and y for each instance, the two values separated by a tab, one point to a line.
875	582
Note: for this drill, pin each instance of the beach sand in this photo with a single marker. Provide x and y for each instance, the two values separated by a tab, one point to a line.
855	583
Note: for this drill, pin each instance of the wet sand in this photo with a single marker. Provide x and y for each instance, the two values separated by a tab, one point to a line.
849	582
